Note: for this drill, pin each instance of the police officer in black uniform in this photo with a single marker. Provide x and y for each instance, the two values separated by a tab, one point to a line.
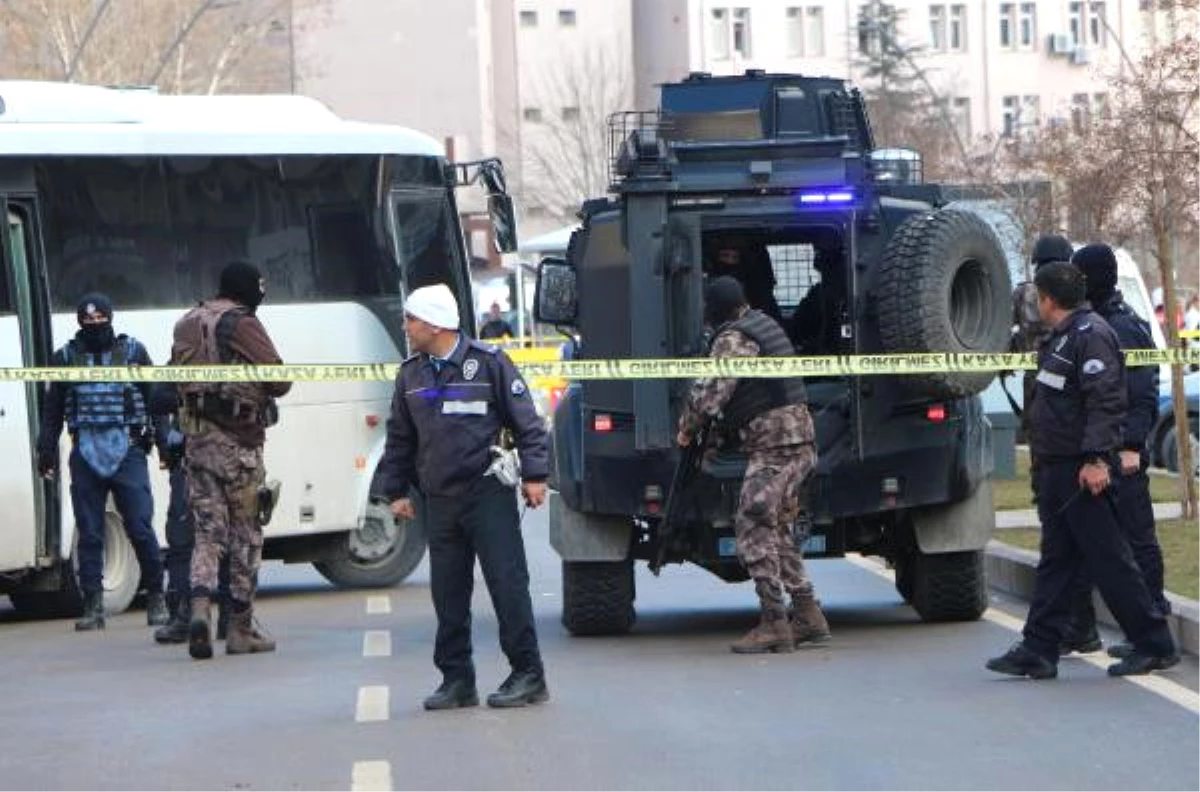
1077	414
1135	511
453	399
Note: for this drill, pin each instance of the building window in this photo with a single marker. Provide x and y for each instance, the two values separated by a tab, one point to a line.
532	114
570	114
1031	112
1007	39
1096	25
962	118
1081	113
1075	23
795	32
718	26
1011	112
741	31
1027	25
958	28
528	19
937	28
1100	105
814	28
871	31
566	18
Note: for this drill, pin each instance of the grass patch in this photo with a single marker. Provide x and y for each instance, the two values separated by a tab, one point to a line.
1180	544
1016	493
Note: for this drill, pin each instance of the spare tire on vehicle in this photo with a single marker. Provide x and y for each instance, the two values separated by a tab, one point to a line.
944	287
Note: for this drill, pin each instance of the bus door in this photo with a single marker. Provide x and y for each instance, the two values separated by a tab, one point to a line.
22	540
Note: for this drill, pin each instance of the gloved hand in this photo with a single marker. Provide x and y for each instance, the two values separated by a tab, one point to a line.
47	461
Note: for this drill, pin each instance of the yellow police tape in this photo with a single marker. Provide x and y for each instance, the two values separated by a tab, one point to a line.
648	368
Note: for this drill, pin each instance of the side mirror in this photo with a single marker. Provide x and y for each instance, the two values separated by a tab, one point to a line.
504	222
556	300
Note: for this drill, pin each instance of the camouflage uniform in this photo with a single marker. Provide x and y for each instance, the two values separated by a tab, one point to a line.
224	477
781	445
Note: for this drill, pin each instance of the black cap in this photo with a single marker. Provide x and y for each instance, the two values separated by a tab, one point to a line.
1098	263
241	282
93	302
1051	247
722	299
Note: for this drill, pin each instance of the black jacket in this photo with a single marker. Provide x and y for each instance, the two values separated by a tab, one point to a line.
443	423
1133	332
1079	392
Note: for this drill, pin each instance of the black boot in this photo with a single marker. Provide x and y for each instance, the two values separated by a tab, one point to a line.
176	630
93	612
199	638
527	687
452	694
157	613
1021	661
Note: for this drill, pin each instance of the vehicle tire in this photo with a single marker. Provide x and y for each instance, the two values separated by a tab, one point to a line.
598	597
1170	448
944	287
949	586
382	553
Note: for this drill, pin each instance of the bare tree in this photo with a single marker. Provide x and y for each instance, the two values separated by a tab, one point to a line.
564	149
181	46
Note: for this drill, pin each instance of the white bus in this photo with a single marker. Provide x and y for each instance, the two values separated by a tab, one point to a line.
145	198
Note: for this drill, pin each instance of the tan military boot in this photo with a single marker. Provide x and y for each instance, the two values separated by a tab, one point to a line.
772	634
243	638
199	634
809	626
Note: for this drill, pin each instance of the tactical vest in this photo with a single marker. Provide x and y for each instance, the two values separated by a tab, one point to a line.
755	396
1030	329
95	405
201	338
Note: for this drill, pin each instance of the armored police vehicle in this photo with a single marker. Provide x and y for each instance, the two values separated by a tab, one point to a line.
774	179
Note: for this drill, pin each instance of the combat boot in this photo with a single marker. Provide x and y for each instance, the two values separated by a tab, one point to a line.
772	634
199	635
177	630
243	638
809	626
93	612
157	613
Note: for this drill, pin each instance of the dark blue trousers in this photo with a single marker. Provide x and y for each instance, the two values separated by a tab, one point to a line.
483	522
1081	535
130	488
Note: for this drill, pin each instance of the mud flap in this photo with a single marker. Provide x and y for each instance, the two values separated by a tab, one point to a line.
587	537
955	527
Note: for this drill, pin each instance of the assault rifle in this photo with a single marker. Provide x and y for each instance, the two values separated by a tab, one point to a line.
690	460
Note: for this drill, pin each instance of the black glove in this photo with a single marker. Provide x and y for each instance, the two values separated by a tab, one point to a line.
47	460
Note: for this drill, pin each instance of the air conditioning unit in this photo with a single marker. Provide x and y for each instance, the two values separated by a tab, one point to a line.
1061	43
1081	56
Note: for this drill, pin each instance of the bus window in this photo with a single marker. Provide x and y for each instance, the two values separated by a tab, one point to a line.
426	241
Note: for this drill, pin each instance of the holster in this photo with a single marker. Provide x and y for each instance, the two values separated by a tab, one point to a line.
268	498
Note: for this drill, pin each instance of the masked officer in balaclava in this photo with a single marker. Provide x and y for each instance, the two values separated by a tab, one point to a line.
110	437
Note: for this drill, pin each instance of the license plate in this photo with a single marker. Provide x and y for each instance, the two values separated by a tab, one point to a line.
814	544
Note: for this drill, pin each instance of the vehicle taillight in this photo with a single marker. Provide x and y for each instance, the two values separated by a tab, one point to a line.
372	421
936	413
602	422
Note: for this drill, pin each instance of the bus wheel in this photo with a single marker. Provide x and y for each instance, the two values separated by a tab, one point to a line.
383	552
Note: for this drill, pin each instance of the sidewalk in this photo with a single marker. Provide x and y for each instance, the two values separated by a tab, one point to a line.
1011	570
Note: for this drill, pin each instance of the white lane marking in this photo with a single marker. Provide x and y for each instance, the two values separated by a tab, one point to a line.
372	704
377	643
371	777
1162	686
379	603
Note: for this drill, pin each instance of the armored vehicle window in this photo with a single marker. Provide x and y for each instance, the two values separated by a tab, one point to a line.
794	273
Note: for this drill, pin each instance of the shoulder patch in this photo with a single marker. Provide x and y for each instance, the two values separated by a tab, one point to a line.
1093	366
470	368
518	387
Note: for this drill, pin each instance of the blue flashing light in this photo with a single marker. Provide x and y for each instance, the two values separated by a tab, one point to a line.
818	197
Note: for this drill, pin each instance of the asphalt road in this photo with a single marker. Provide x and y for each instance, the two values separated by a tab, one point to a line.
890	704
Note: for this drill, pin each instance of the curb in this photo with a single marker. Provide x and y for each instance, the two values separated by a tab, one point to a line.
1013	570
